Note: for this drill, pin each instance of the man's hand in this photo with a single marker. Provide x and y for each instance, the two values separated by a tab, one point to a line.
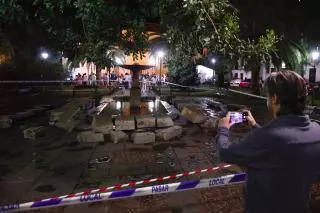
225	122
251	121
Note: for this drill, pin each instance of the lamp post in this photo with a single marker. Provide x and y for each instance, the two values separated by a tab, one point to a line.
315	56
160	55
213	61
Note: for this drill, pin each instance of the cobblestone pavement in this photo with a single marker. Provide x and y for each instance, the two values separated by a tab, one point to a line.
56	164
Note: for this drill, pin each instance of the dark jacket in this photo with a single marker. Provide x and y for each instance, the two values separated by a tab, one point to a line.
282	160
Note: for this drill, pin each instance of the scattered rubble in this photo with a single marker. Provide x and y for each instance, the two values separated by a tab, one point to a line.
169	133
5	122
164	122
34	132
146	122
125	124
143	137
118	136
194	115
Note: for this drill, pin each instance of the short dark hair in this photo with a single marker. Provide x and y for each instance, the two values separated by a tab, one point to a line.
291	90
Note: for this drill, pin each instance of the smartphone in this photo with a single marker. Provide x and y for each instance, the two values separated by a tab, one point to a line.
238	117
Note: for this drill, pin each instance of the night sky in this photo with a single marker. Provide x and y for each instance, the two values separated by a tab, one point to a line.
292	18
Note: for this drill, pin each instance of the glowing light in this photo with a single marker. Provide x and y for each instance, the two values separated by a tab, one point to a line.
213	61
151	106
315	55
160	54
45	55
118	105
283	65
118	61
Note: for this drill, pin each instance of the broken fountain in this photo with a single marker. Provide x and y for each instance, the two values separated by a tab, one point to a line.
134	115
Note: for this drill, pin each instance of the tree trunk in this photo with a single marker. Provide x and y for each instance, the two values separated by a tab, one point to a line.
255	71
98	70
221	79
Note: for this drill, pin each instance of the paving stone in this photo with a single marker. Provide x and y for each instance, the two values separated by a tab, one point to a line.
169	133
103	122
194	114
164	122
125	124
105	128
90	136
143	137
84	127
5	122
118	136
23	115
146	122
69	116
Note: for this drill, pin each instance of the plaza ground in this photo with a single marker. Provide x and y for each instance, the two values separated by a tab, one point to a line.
57	164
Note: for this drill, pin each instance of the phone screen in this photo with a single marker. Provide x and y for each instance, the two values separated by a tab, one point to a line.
238	117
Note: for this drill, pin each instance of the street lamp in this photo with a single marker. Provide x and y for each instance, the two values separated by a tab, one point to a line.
160	55
45	55
213	61
315	55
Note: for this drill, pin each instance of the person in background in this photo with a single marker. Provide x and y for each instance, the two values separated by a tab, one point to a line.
85	80
126	80
94	79
144	83
106	79
281	158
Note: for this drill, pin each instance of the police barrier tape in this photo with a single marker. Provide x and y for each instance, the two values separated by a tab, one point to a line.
136	183
167	83
229	90
128	193
49	81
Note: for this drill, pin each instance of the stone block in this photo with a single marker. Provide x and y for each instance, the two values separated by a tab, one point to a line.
90	137
143	137
211	123
118	136
125	124
5	122
169	133
146	122
181	106
194	114
34	132
164	122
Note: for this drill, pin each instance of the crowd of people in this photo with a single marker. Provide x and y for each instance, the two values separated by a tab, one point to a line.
112	79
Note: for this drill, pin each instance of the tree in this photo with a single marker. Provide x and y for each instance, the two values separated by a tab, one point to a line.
94	27
293	54
257	53
193	25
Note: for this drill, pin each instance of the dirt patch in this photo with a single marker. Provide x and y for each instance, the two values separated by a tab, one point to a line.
161	147
84	148
45	188
60	146
139	150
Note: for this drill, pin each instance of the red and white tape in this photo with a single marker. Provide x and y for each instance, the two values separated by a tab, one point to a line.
136	183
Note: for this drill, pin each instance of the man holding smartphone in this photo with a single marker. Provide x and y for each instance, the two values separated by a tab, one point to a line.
282	159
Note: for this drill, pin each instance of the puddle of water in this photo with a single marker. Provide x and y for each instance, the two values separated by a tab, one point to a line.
45	188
